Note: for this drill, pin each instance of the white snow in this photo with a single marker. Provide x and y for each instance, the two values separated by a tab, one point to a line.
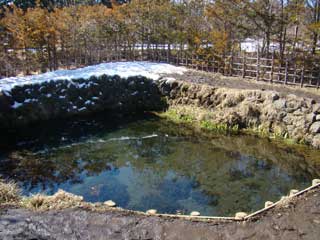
82	109
17	105
123	69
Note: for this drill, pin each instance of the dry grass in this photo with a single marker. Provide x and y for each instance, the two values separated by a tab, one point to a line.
9	192
60	200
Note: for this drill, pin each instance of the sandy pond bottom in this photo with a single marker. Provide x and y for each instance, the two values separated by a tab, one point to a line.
147	162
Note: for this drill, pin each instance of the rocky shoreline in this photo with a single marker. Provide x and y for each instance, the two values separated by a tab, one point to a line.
287	116
295	219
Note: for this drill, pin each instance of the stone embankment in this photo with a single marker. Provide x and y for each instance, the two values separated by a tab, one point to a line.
287	116
64	98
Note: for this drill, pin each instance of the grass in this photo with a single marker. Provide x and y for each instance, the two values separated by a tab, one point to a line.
203	120
198	118
59	200
9	192
223	128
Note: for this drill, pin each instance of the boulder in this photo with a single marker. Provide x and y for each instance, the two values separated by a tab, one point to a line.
315	128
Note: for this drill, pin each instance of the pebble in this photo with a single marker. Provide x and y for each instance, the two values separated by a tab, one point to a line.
195	214
240	215
152	211
110	203
268	204
315	182
293	192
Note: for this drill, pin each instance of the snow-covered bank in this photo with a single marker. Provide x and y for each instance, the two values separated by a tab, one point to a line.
123	69
30	103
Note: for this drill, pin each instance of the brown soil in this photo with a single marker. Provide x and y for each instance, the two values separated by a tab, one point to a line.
218	80
298	219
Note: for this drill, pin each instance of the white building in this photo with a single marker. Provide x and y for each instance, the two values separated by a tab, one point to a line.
252	45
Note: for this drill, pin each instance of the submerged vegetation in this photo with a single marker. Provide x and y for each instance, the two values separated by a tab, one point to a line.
171	165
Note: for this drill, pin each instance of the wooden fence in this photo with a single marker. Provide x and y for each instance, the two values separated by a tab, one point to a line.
304	73
246	65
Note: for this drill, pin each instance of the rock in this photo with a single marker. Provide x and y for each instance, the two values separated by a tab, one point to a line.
316	108
110	203
314	140
293	192
315	128
315	182
298	112
152	211
310	102
240	215
274	96
318	117
195	214
284	198
310	118
268	204
280	104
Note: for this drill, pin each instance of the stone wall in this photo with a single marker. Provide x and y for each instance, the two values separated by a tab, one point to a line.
288	116
55	99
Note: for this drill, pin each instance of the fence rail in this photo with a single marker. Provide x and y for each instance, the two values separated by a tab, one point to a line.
272	70
261	69
268	69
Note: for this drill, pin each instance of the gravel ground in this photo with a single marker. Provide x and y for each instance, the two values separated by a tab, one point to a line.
300	219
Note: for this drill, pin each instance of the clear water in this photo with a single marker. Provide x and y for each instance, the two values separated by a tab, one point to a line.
149	163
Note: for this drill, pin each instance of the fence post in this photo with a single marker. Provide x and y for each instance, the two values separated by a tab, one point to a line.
258	65
272	68
295	72
244	66
187	61
286	72
302	76
318	80
197	62
213	64
231	64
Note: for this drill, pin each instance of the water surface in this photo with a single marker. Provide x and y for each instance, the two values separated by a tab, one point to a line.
148	162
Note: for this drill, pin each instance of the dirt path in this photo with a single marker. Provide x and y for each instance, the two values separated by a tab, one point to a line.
240	83
298	220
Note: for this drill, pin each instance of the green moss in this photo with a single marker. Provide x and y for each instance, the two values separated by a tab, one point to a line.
189	118
178	117
221	128
201	119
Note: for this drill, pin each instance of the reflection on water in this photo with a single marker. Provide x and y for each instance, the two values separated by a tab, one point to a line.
153	163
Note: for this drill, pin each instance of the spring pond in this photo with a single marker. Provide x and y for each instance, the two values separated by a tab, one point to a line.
147	162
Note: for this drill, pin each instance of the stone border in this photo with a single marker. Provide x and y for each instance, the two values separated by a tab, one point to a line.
238	216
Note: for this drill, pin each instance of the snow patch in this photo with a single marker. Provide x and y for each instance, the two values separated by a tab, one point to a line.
124	69
16	105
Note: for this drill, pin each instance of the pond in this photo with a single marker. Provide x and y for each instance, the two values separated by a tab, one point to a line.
147	162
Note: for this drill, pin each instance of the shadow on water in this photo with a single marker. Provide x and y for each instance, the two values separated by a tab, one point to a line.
146	162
